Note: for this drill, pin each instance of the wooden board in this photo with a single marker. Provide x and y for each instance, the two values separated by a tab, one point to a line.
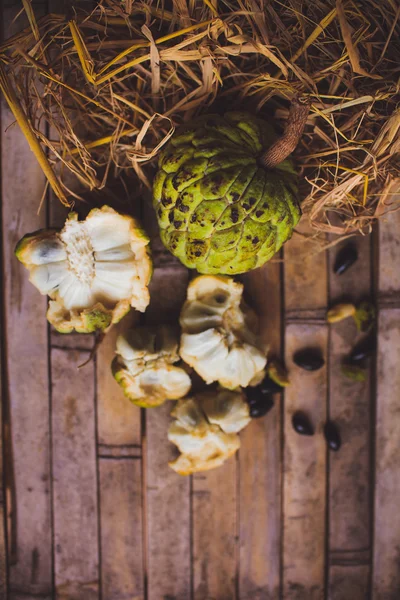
386	573
3	536
26	360
167	494
119	448
350	408
304	459
260	459
386	535
304	481
215	533
76	551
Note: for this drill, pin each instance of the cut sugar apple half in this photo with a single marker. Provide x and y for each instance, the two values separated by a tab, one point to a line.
93	270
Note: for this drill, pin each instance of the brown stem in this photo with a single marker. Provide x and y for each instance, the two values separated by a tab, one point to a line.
298	114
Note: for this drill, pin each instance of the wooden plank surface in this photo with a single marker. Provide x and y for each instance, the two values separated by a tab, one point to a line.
350	408
119	439
28	449
386	551
167	493
260	458
304	468
75	477
304	493
3	512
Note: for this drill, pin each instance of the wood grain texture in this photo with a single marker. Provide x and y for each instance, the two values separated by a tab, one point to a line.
304	495
122	565
121	529
118	418
305	275
389	252
350	409
260	459
75	477
167	494
28	469
386	573
349	582
215	533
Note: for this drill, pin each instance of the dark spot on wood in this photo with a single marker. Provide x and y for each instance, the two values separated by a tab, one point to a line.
35	565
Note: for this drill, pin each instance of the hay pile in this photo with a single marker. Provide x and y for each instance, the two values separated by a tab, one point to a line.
98	93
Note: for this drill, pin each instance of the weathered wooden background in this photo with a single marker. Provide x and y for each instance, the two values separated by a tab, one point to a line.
89	508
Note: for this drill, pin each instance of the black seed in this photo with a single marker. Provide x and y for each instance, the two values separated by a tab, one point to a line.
301	424
259	404
234	215
332	436
255	240
345	258
177	224
363	349
309	359
220	298
259	213
252	201
269	386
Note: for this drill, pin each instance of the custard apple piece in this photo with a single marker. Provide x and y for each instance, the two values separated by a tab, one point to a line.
200	316
189	200
205	352
226	160
189	415
192	171
242	363
226	409
223	241
219	292
40	248
169	194
205	216
184	136
253	194
241	182
231	217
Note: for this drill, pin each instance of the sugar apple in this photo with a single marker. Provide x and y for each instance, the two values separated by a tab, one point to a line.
144	366
222	207
219	333
205	430
94	270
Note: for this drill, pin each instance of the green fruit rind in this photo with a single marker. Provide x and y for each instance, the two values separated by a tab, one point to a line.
219	211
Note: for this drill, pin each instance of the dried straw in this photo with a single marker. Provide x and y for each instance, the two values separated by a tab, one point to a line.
111	85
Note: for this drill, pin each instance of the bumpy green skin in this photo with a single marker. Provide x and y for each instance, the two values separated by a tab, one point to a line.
218	210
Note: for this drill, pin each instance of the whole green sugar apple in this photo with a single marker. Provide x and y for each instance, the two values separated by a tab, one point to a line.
225	194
